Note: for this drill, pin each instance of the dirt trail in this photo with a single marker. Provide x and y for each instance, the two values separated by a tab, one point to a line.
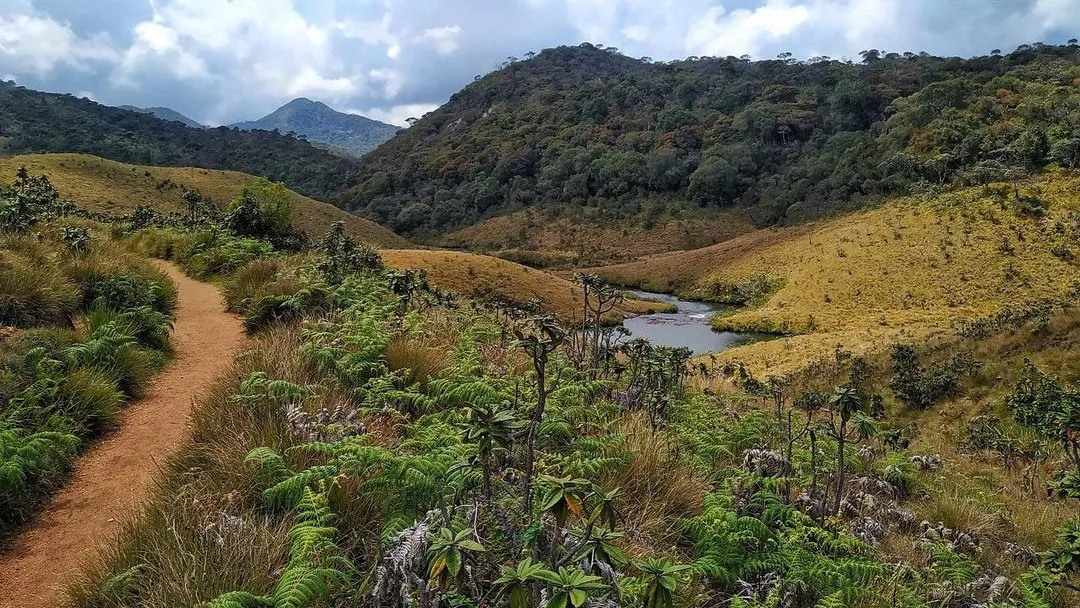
116	473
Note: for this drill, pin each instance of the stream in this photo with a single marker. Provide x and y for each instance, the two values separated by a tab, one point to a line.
688	327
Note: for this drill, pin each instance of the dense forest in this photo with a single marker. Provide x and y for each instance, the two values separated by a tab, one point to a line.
32	121
586	127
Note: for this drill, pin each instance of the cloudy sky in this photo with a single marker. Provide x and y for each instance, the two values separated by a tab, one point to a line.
219	61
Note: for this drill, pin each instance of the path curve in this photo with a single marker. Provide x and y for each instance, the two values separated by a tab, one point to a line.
115	474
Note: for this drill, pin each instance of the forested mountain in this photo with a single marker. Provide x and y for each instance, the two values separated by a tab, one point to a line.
166	114
353	134
32	121
585	127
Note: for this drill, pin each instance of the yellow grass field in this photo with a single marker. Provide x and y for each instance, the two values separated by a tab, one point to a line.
109	186
564	242
901	272
481	275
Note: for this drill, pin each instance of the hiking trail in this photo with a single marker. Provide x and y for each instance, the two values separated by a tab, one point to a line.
114	476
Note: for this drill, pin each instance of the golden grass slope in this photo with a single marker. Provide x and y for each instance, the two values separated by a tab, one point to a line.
480	275
565	242
900	272
109	186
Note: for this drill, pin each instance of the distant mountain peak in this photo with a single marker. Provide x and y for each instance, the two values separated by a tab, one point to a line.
166	114
351	134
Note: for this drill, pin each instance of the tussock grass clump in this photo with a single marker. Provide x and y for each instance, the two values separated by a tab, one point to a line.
660	486
33	293
247	283
422	360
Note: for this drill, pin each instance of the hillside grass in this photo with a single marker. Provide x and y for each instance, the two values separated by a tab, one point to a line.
480	276
904	271
533	238
112	187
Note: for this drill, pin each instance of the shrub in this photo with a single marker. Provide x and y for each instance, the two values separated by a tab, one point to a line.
149	327
341	256
28	201
161	244
121	292
918	387
75	238
213	253
248	281
264	210
1048	408
753	291
121	281
286	307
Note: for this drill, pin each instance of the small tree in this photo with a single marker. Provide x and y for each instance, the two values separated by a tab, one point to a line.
848	422
539	337
341	256
663	579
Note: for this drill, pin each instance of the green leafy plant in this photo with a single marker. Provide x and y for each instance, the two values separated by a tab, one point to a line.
447	550
515	582
570	587
663	579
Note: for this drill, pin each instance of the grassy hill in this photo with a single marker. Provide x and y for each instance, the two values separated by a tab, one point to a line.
904	271
109	186
533	238
479	276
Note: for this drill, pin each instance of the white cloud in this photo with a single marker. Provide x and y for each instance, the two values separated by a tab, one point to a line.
396	115
31	44
221	61
444	39
744	32
637	33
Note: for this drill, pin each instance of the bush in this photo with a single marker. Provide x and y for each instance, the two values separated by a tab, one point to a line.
920	388
753	291
341	256
264	210
213	254
149	327
111	277
32	463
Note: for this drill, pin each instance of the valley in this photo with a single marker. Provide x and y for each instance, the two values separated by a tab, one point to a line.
597	332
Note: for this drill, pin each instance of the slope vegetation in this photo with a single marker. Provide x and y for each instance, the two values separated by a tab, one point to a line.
539	240
586	129
113	187
905	270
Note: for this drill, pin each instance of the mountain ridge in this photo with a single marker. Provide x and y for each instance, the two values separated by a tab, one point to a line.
317	122
35	122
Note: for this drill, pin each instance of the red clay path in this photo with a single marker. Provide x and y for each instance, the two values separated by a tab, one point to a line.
114	476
